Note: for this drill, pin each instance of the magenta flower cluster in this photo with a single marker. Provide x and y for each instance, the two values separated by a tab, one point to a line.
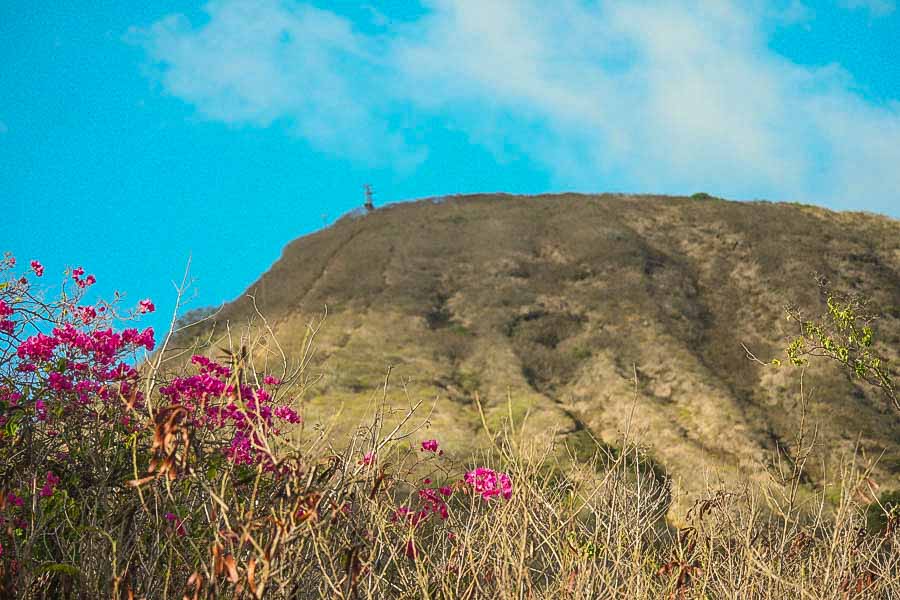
146	306
80	280
216	402
50	484
431	446
102	347
177	524
80	366
433	501
7	325
489	483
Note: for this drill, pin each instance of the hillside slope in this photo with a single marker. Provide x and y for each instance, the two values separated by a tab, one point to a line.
550	305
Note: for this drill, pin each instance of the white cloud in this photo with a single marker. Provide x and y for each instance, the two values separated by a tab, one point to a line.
878	8
793	13
671	96
260	62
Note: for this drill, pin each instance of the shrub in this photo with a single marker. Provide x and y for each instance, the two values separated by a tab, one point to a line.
844	334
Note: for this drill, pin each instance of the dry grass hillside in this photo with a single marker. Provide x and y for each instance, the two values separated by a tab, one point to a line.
570	314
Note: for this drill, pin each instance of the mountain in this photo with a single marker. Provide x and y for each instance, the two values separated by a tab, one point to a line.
587	312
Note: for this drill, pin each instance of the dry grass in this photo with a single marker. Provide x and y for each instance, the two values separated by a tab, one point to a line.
575	527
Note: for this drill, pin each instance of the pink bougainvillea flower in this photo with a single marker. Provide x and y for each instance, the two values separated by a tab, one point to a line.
59	382
505	486
13	499
38	268
271	380
49	485
248	424
430	503
7	326
10	397
429	446
77	272
367	459
40	410
433	503
489	483
87	314
146	306
288	414
177	523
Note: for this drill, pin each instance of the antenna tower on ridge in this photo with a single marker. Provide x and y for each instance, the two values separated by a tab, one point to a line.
370	205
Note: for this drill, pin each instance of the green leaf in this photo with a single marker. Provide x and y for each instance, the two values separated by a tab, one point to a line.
867	336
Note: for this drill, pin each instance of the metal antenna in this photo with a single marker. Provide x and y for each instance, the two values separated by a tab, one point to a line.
370	205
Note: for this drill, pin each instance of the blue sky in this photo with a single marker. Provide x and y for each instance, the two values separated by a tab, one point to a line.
134	135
